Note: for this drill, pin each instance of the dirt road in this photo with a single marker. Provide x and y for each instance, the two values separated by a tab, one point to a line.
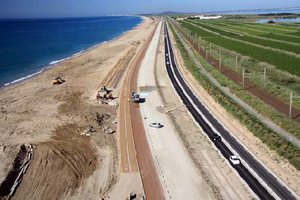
152	186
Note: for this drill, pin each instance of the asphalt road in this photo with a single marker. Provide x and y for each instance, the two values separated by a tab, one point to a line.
192	102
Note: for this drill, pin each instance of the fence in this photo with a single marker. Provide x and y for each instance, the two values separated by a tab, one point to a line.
211	56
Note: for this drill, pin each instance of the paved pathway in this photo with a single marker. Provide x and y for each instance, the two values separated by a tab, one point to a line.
178	175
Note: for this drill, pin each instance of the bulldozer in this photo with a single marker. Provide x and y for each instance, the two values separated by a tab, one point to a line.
103	93
57	81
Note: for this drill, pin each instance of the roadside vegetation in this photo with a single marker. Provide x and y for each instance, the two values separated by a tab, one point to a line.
276	142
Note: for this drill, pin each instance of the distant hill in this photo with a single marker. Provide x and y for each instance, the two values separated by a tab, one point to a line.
170	13
163	13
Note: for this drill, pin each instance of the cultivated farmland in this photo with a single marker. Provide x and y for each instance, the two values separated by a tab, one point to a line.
254	32
254	47
253	51
276	45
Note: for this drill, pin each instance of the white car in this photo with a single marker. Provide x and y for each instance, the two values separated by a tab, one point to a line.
234	160
156	125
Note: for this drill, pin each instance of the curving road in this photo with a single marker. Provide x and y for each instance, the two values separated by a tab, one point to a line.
197	109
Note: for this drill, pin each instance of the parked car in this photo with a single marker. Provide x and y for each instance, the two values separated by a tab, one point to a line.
215	137
234	160
156	125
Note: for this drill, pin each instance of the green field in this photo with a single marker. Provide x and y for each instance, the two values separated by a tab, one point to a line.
274	26
247	38
200	32
280	60
291	37
250	57
264	26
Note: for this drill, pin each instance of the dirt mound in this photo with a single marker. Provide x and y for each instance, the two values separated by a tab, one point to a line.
62	164
70	101
8	183
65	160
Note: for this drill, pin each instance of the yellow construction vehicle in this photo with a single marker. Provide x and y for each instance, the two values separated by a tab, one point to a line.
57	81
103	93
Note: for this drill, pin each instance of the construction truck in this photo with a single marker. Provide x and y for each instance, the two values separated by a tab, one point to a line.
103	93
57	81
136	97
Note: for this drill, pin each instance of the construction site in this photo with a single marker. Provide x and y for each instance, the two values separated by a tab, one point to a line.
59	136
120	121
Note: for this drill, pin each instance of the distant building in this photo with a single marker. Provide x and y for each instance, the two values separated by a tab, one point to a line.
198	17
180	18
204	17
192	17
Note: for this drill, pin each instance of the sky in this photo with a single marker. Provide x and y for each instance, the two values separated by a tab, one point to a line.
84	8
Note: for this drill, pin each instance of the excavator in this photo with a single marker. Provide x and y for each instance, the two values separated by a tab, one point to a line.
103	93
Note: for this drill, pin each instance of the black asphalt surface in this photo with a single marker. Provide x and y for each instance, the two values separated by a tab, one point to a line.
253	183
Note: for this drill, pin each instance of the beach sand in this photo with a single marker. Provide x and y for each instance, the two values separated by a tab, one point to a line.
65	164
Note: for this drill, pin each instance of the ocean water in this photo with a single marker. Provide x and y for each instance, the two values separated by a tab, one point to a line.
29	46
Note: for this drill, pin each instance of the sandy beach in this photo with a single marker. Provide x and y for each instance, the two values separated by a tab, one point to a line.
65	164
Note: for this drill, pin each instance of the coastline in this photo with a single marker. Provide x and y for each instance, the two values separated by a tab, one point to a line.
57	63
50	117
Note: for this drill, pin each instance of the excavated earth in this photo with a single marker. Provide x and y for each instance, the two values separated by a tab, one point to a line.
74	157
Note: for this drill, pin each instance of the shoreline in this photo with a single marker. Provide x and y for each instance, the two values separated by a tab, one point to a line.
52	118
57	63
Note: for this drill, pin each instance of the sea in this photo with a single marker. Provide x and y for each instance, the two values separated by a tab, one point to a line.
29	46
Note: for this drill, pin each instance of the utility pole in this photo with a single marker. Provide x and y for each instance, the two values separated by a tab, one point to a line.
291	105
236	63
243	78
265	74
209	47
220	62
